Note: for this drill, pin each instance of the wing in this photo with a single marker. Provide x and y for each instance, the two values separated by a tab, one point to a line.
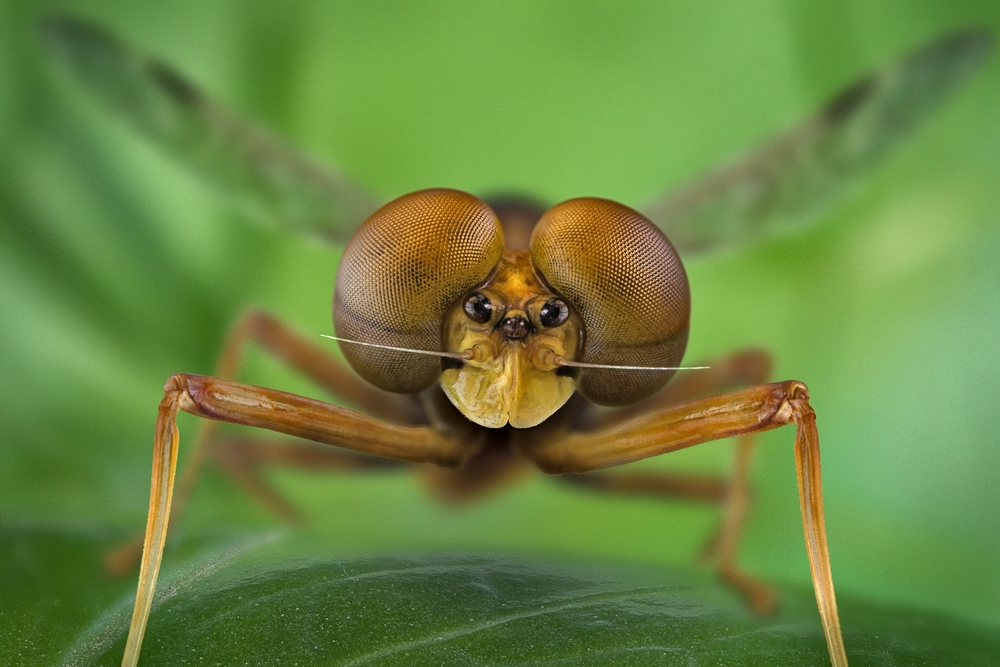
792	179
260	172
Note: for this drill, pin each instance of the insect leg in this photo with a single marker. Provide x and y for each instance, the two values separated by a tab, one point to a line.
279	340
743	368
238	403
654	484
740	369
242	457
750	410
312	360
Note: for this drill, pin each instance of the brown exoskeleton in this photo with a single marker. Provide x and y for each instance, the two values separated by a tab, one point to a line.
488	333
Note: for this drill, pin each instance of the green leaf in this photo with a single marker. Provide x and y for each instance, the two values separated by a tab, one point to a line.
249	602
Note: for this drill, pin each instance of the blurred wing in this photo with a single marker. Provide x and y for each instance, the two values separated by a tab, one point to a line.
260	172
791	180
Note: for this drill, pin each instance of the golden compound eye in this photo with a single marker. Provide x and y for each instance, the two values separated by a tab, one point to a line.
479	308
622	276
553	313
397	280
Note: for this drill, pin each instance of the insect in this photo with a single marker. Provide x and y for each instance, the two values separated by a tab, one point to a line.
487	332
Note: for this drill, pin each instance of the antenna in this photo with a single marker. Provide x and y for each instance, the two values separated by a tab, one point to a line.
559	361
464	356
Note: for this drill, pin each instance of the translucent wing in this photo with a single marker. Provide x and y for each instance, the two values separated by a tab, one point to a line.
260	172
791	180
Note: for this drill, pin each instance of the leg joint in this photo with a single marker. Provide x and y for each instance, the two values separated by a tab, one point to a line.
790	404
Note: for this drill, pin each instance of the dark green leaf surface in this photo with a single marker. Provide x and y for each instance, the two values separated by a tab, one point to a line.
249	602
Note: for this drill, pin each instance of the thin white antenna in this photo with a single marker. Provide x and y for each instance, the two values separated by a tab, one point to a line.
562	362
450	355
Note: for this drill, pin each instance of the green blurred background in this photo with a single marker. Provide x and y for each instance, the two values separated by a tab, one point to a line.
117	268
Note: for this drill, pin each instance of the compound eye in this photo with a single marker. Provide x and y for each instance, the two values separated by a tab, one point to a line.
479	308
553	313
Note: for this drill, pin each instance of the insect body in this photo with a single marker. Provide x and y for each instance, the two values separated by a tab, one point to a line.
513	323
490	332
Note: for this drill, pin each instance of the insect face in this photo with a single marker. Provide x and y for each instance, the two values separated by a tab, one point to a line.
515	328
598	284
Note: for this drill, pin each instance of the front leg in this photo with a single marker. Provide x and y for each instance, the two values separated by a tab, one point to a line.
278	340
754	409
238	403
